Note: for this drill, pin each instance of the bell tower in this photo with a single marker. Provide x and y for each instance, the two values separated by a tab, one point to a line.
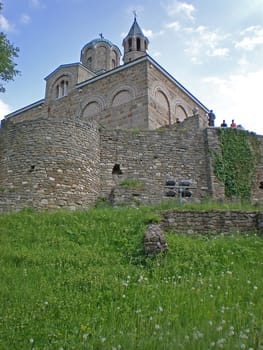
135	43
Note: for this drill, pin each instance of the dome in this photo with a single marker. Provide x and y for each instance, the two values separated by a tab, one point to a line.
100	55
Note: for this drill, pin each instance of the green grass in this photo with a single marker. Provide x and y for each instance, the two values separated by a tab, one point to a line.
80	280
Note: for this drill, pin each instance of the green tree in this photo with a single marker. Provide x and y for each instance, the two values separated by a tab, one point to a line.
7	54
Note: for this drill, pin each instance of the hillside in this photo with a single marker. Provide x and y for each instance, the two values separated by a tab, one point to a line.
80	280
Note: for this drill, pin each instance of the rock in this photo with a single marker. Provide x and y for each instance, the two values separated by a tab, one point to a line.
154	241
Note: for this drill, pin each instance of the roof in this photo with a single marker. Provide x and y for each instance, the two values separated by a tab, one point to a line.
68	65
135	29
96	41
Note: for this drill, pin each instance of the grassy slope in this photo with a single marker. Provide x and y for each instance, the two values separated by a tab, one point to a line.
80	281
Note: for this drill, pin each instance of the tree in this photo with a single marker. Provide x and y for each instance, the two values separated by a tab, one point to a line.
7	54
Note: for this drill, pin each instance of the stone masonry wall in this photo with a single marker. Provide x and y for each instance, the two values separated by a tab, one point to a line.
173	100
211	221
146	159
49	163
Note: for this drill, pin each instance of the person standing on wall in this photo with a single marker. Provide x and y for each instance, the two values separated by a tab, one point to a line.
211	118
233	124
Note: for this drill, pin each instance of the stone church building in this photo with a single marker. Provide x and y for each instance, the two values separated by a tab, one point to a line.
136	94
106	130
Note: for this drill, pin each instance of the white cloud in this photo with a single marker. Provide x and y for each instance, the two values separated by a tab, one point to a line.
35	3
181	8
4	109
237	97
204	43
148	33
219	52
252	37
25	19
173	25
4	24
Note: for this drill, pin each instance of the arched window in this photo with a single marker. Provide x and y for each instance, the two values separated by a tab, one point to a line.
62	89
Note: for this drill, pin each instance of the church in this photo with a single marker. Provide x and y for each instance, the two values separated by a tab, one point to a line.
123	132
136	94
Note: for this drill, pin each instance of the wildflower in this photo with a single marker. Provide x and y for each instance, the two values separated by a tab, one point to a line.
102	339
124	296
255	287
160	309
140	278
220	342
46	302
157	326
85	336
242	346
210	323
231	332
243	336
31	340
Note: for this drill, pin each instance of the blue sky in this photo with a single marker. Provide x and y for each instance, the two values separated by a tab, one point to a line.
214	48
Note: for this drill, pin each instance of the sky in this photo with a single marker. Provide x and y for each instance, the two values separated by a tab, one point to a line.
213	48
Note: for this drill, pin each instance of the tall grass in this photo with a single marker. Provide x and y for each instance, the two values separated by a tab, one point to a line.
80	280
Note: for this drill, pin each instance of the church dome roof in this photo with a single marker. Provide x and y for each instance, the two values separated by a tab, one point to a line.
96	41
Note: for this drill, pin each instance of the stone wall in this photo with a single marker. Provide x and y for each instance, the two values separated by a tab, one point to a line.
168	101
212	221
146	159
49	163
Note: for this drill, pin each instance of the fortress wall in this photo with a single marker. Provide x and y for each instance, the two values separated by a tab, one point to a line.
257	193
49	163
216	188
212	221
151	158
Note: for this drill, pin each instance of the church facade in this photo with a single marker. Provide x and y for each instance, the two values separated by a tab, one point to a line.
109	131
136	94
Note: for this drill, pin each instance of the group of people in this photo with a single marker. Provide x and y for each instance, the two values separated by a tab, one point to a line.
212	117
232	125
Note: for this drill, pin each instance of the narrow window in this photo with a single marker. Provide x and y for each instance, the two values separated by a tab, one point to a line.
138	44
130	44
89	61
62	84
57	91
